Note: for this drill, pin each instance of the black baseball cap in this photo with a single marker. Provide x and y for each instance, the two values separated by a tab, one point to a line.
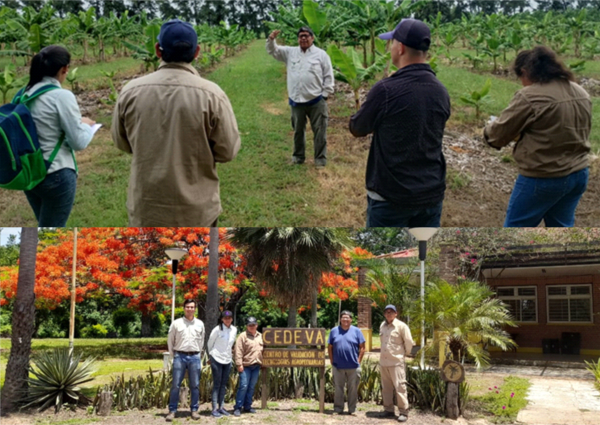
412	33
227	313
176	35
251	321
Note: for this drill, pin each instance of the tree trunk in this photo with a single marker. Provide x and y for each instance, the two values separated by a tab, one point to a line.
146	325
292	314
85	50
105	403
23	323
313	310
452	400
212	292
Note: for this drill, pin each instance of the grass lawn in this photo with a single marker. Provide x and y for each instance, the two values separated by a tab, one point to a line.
114	356
261	187
502	397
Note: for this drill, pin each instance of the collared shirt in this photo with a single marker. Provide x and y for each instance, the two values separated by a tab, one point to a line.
54	113
186	335
407	114
248	349
220	343
309	74
551	123
178	126
396	343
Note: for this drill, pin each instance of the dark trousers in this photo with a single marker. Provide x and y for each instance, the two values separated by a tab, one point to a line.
318	116
220	374
52	199
387	214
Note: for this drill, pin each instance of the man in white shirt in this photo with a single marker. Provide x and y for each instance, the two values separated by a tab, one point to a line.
185	341
309	82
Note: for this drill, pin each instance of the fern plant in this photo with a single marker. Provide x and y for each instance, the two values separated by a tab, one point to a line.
58	375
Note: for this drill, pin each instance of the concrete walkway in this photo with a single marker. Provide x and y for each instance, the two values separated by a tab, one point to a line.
561	401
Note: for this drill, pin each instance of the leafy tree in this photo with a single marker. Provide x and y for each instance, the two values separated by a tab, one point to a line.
467	317
382	240
9	253
288	261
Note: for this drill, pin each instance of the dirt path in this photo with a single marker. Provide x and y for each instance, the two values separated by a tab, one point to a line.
279	413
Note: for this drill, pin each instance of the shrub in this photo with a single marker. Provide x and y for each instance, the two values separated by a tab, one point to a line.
50	329
94	331
505	401
57	377
5	324
124	321
595	369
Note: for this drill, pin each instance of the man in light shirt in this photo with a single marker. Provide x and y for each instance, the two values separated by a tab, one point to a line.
396	343
309	82
185	341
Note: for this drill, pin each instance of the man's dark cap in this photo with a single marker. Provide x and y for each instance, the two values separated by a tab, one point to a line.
178	36
412	33
390	307
227	313
251	321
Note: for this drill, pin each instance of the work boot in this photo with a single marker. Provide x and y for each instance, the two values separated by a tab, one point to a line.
170	417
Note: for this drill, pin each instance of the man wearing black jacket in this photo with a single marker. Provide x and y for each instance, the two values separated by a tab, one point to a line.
407	114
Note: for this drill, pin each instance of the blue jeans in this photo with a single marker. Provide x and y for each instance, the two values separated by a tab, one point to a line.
553	200
245	392
387	214
52	199
220	374
181	363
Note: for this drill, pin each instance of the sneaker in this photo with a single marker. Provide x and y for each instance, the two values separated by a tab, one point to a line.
297	161
195	416
216	414
402	418
352	413
237	412
224	412
170	417
251	410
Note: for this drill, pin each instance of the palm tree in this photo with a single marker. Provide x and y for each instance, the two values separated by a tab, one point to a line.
212	292
468	318
23	323
288	261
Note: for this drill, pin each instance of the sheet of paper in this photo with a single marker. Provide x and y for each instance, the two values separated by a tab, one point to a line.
95	128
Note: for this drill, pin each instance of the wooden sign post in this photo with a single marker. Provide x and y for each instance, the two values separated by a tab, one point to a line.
286	357
453	374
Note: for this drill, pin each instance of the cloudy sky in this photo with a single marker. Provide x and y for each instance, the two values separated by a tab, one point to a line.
6	232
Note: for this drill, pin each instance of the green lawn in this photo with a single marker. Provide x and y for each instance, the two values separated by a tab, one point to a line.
260	187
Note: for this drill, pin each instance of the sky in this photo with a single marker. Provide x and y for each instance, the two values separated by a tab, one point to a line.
5	232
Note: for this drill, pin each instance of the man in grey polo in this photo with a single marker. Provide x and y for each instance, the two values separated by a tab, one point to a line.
185	341
309	82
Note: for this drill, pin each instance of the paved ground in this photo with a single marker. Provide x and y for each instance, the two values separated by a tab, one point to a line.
558	401
541	371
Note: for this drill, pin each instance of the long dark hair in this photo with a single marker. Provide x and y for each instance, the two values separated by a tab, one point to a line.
47	63
541	65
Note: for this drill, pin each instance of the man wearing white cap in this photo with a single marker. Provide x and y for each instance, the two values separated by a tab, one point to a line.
396	343
407	114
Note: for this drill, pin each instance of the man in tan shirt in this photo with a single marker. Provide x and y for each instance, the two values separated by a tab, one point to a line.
178	126
185	342
248	359
396	343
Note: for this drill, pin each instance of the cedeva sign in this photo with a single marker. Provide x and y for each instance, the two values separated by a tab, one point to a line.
293	336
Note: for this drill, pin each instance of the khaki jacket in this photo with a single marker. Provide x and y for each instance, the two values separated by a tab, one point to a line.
551	124
178	126
396	343
248	349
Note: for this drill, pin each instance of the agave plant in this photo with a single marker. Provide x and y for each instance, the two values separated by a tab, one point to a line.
58	375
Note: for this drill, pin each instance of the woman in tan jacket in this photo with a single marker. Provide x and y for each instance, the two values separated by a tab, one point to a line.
248	360
550	120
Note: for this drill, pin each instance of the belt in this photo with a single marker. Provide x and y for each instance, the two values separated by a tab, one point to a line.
189	353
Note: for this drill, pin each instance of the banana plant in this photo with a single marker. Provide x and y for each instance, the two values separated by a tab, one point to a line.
72	79
493	50
349	68
474	59
449	39
147	52
84	24
9	81
577	66
113	95
476	97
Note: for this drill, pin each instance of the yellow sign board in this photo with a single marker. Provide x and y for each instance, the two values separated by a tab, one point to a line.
293	336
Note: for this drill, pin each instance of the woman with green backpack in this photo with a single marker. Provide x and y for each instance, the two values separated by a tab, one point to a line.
61	130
